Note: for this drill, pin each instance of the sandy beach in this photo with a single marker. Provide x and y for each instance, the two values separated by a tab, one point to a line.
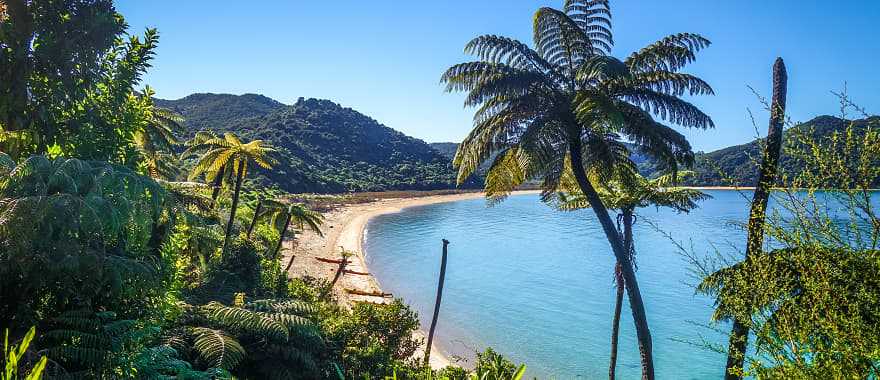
344	230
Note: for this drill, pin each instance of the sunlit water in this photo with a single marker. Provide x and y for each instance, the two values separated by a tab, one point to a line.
536	284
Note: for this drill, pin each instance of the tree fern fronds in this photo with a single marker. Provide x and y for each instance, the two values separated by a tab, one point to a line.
282	306
244	320
218	348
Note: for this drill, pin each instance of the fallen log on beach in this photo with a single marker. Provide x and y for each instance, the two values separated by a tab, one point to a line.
329	261
349	271
368	294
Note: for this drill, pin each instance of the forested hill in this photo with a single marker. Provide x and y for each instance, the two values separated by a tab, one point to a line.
326	148
735	164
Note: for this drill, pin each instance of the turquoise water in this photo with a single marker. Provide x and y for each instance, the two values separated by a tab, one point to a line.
536	284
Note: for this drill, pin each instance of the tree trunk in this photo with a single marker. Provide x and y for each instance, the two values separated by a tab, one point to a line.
436	303
636	304
281	237
615	323
254	220
217	185
620	284
19	40
234	208
290	262
739	334
339	272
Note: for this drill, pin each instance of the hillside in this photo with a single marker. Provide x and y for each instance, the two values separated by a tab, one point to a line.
737	163
325	148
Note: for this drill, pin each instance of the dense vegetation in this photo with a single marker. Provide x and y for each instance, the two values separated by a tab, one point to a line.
110	267
113	266
325	148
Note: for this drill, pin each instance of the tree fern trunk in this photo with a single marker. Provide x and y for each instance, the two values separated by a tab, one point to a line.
636	304
615	324
254	220
281	237
739	334
290	262
620	284
234	208
436	303
216	185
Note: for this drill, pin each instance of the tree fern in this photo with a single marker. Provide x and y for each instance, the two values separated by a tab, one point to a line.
75	232
218	348
279	337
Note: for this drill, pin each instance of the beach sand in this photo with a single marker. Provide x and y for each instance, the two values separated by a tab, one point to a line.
344	229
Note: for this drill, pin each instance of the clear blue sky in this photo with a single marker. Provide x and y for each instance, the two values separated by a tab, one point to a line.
385	58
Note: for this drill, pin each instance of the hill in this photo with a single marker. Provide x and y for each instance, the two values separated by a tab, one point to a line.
325	148
737	163
217	111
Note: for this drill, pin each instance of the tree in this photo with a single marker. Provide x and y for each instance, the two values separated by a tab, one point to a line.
808	301
627	194
67	73
261	339
155	142
231	153
281	215
567	104
767	173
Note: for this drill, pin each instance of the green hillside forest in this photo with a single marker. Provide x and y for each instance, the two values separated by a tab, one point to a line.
326	148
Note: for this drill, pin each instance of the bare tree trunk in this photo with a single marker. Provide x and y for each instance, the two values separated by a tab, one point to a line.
254	220
339	272
290	262
739	334
615	324
232	211
436	303
620	284
636	304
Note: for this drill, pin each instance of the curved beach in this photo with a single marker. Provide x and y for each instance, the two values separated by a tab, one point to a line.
344	230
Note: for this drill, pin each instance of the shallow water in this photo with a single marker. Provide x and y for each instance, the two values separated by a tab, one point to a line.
536	284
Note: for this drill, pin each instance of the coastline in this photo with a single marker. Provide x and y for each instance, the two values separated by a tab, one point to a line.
344	229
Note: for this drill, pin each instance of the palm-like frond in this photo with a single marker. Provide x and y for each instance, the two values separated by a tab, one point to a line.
226	154
279	336
80	228
533	101
218	348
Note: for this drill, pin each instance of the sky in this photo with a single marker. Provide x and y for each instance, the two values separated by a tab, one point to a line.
384	58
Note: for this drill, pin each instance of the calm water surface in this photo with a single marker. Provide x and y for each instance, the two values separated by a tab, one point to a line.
536	284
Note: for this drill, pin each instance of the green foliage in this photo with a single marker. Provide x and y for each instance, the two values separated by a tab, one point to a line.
76	233
282	341
67	80
373	339
324	147
632	191
736	165
812	307
538	106
13	355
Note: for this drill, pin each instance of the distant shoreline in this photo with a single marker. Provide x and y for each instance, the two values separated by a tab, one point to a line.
344	228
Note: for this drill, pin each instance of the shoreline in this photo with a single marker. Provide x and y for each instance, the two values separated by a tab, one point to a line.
344	229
